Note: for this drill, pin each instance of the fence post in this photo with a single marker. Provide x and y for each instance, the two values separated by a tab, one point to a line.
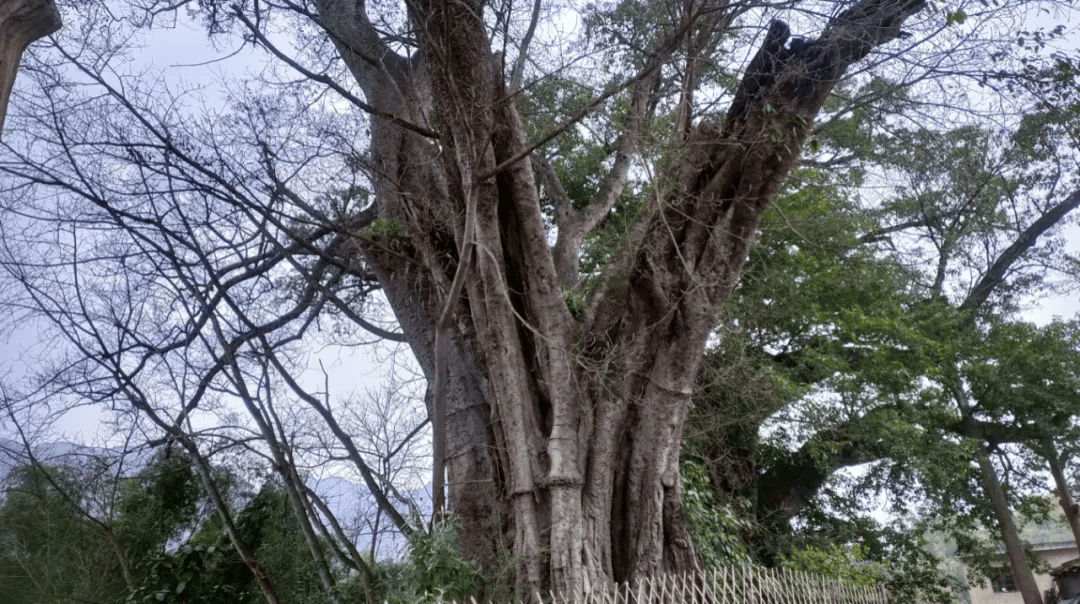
736	584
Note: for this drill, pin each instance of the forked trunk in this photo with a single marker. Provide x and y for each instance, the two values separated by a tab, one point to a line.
563	432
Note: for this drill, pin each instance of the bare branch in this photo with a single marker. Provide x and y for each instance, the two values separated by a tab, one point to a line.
523	48
322	79
1024	242
658	58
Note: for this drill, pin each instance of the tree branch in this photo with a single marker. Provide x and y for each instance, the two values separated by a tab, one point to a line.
322	79
345	439
792	482
1024	242
442	334
660	56
21	22
523	49
575	225
883	232
564	210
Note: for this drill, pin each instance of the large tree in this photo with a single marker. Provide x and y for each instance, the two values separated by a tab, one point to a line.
558	391
565	427
938	379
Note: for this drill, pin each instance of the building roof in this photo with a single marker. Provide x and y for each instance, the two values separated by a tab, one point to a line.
1049	545
1035	547
1067	568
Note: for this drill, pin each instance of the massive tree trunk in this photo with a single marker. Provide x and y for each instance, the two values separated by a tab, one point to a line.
21	22
563	431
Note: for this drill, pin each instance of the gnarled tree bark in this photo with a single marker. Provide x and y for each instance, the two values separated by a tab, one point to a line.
563	432
21	22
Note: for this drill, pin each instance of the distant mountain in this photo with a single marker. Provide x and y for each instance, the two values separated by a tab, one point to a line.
13	453
351	503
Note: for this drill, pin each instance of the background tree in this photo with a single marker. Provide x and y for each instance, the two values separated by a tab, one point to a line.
859	308
79	531
51	551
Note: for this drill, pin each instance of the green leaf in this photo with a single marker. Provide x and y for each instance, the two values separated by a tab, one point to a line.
956	18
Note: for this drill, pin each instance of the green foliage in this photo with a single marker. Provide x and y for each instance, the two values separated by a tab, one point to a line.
61	536
850	131
575	302
893	358
816	310
955	17
839	562
158	503
579	158
390	581
435	570
859	549
383	227
1020	370
48	548
855	348
714	528
273	532
914	574
602	242
190	575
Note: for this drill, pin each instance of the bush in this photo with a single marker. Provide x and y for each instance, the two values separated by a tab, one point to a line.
435	570
844	563
714	528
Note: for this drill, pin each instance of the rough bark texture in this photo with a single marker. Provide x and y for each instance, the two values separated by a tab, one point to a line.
563	432
21	22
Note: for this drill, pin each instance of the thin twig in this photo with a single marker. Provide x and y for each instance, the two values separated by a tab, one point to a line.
322	79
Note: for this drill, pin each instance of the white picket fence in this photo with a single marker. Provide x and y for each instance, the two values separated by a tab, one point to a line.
733	585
